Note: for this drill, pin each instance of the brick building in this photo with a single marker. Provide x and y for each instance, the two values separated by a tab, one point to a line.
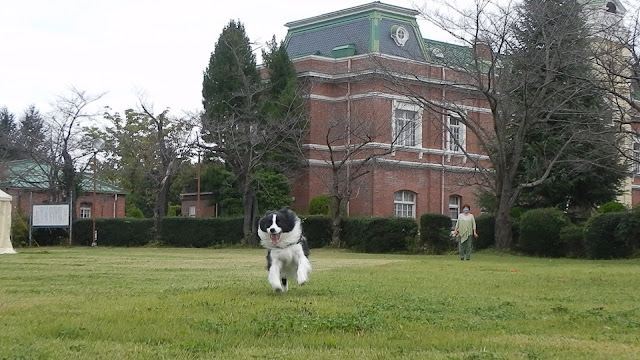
339	57
342	58
28	184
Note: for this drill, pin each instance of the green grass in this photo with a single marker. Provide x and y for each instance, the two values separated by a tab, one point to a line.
146	303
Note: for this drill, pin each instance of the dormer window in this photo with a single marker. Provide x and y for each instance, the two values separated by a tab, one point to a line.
611	7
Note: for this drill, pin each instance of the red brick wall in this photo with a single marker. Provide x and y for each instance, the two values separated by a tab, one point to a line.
371	104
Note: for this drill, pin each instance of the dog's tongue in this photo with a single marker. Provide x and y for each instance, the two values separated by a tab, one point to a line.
274	238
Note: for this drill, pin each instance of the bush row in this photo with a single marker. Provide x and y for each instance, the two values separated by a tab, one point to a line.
540	232
362	234
174	231
606	235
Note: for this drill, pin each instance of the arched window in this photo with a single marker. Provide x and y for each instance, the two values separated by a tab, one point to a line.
611	7
404	204
454	208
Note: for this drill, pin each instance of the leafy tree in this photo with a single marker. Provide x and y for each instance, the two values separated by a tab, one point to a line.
144	153
273	190
221	183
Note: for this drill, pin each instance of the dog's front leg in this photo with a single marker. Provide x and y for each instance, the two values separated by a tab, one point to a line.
274	277
304	269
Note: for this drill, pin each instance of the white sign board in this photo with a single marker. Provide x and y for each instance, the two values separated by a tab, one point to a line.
50	215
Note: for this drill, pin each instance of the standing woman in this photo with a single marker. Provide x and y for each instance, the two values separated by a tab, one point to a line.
465	226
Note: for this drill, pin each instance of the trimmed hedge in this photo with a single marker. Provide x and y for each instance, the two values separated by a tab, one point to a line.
540	232
200	232
604	237
114	232
486	228
379	235
373	235
317	230
435	233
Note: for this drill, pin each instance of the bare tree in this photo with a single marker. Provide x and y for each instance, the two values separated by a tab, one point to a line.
71	115
352	144
518	61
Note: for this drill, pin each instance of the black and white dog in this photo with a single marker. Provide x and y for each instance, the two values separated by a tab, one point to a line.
280	232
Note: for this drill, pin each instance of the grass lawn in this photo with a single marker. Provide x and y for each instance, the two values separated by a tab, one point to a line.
147	303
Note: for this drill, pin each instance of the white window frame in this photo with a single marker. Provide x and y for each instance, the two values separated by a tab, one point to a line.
415	132
405	206
454	209
85	211
635	156
458	128
192	211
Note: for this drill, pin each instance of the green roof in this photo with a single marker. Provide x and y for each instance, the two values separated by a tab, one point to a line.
27	174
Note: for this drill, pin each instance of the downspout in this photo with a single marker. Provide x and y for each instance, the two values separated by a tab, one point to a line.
115	204
444	144
348	134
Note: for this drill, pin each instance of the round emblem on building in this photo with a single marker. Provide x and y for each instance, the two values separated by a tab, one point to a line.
399	34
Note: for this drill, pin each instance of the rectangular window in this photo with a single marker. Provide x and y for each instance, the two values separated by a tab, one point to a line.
405	127
454	209
406	124
85	212
192	211
636	158
455	134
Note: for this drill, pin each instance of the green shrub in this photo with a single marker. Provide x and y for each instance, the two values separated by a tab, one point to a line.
517	212
540	232
611	206
200	232
114	232
317	230
604	237
134	212
572	236
435	233
379	235
174	210
320	205
486	228
629	229
19	229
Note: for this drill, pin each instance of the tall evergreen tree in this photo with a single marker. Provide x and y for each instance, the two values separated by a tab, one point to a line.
31	134
591	170
7	133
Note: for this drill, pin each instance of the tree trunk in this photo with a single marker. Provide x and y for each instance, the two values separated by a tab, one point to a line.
250	211
160	208
504	223
336	221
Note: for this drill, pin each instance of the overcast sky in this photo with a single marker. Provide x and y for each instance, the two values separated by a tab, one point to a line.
124	47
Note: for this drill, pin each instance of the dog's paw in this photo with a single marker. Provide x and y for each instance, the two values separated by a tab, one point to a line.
303	280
